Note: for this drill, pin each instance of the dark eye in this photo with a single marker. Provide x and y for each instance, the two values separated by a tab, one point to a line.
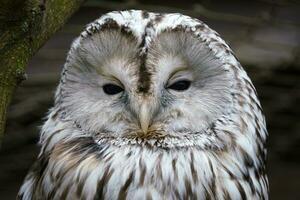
112	89
180	85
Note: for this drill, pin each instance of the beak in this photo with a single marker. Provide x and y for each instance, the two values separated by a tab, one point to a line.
145	116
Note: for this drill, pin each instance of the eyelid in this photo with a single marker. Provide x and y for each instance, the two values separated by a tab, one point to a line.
178	70
114	80
180	76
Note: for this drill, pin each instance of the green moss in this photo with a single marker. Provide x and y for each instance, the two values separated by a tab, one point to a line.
20	40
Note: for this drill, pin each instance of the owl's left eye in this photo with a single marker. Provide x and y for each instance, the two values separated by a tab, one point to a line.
180	85
112	89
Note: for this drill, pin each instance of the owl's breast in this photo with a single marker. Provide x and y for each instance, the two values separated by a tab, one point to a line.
83	169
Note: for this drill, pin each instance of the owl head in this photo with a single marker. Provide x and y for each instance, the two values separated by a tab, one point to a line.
140	76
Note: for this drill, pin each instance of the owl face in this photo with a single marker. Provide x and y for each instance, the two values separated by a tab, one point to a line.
158	82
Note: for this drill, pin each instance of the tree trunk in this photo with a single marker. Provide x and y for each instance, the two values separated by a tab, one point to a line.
25	25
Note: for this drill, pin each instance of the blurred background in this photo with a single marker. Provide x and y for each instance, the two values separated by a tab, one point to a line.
264	34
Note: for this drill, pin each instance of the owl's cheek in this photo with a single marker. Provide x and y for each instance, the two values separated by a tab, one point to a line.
120	129
194	123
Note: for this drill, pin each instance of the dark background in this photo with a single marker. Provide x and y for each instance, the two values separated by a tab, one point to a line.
264	34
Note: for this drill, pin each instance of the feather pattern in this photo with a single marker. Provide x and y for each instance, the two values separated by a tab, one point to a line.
225	159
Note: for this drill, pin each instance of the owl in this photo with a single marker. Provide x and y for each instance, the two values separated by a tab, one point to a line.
151	106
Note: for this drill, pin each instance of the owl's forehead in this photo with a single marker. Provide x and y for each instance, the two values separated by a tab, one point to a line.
142	24
129	43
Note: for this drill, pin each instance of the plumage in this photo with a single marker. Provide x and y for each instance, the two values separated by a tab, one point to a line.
151	106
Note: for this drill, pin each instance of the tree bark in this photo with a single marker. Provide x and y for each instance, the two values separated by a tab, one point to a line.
25	25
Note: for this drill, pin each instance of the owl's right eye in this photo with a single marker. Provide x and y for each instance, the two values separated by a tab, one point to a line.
112	89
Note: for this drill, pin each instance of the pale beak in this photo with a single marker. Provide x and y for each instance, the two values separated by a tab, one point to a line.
145	116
